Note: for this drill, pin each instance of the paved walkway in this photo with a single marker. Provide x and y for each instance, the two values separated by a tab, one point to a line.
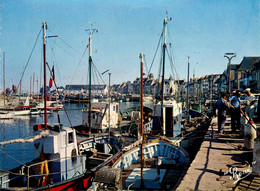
219	163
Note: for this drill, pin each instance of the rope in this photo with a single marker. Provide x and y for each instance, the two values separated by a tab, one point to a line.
13	158
28	60
44	133
155	53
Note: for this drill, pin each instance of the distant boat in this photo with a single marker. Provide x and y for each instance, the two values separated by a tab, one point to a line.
35	111
6	115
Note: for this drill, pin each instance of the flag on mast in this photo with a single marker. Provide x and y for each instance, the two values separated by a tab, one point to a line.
52	77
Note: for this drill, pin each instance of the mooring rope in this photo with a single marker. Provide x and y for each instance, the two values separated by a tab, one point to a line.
44	133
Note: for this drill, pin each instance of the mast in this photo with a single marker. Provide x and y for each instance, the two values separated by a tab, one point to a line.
142	135
163	71
109	103
33	84
188	82
4	75
44	27
90	31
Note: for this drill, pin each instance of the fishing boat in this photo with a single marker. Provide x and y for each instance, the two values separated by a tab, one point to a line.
156	165
164	165
98	117
63	160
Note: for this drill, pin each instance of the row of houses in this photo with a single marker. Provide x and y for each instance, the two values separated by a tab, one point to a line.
151	86
243	75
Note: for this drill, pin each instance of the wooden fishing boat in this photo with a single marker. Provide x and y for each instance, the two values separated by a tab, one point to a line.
164	166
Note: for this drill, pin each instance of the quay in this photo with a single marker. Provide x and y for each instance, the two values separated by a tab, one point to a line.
220	162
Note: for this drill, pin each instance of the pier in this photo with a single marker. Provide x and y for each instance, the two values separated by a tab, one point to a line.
221	163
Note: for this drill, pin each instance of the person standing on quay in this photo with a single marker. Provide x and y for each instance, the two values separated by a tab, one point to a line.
221	105
250	100
235	112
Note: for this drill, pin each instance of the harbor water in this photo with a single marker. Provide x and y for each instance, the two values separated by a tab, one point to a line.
21	127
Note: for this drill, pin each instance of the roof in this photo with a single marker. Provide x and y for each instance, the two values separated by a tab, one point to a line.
248	63
234	66
85	87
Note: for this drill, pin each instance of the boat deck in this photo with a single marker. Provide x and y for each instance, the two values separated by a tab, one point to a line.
172	175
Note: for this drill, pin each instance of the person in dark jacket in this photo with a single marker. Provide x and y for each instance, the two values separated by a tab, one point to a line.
221	105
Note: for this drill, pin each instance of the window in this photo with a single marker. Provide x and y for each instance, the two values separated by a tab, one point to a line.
71	140
114	108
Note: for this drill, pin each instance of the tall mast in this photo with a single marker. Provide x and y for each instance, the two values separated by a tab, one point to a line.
109	103
33	84
44	27
163	71
4	75
188	82
90	31
142	135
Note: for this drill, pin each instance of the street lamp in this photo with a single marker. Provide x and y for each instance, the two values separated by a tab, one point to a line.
229	56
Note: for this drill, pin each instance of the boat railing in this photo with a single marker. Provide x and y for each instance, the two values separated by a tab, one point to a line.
54	173
26	170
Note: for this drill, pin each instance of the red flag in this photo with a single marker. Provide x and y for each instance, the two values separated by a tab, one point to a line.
50	83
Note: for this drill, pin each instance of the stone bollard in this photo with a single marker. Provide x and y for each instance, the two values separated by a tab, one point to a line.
250	135
256	157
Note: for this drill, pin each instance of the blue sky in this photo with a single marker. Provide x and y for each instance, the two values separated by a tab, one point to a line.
201	29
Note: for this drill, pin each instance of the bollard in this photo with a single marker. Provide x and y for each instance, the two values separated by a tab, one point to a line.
256	157
250	135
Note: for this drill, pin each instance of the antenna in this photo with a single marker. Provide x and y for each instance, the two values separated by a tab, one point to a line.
90	30
169	19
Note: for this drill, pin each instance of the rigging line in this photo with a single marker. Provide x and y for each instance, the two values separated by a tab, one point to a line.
10	172
172	65
56	63
78	65
95	70
172	58
63	41
12	157
155	53
29	59
59	96
64	49
99	74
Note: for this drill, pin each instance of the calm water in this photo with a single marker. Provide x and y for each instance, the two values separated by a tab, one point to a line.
12	155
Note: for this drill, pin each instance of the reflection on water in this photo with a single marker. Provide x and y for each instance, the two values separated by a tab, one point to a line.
21	127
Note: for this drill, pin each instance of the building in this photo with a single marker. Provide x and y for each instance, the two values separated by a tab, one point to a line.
96	90
249	74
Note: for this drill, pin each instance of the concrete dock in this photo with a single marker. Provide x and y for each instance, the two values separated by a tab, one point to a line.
221	163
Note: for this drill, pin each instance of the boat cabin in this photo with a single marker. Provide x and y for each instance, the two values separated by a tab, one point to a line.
172	114
61	148
100	116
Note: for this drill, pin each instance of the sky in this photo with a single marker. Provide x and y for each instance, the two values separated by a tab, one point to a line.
202	29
